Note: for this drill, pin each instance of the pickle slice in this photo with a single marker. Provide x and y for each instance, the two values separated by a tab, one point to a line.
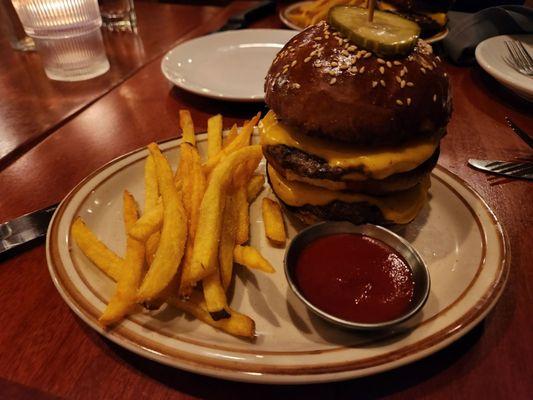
388	35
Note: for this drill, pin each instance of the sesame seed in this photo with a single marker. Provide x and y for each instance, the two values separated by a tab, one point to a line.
293	63
438	58
399	102
352	48
402	73
368	55
353	70
363	51
326	36
346	45
434	64
405	69
402	84
389	64
423	70
334	63
398	79
445	75
381	61
307	59
374	84
345	40
318	37
434	98
343	67
408	101
332	73
296	85
332	81
396	62
382	83
362	69
345	53
410	84
382	70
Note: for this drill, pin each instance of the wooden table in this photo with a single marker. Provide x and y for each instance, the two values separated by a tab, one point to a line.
46	351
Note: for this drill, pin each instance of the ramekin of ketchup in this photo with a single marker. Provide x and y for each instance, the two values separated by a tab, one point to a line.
363	277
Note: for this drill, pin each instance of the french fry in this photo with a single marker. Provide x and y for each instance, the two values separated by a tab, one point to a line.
124	298
151	191
250	257
205	252
273	221
151	246
173	234
243	215
254	187
149	223
237	324
187	127
215	296
243	139
214	135
105	259
233	133
227	241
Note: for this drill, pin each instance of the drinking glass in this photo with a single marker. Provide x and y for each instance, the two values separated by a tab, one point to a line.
10	24
118	14
67	35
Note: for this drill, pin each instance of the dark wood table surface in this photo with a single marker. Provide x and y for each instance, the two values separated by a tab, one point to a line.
47	352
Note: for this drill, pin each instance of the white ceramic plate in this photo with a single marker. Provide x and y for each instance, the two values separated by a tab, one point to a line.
456	233
226	65
284	16
490	55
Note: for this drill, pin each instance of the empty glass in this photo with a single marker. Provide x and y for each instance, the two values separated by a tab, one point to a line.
118	14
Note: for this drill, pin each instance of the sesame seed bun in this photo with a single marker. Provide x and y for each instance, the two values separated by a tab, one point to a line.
325	86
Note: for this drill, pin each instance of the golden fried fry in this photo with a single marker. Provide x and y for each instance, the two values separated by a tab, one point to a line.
243	139
214	135
237	324
233	133
215	296
151	191
151	246
243	215
273	220
205	253
148	224
187	127
105	259
173	234
251	257
227	241
254	187
124	298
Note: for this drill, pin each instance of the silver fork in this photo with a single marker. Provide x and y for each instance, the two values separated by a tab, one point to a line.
520	59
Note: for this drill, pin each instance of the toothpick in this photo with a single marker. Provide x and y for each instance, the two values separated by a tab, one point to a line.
371	6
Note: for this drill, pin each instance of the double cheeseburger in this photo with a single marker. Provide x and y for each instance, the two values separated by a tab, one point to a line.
349	135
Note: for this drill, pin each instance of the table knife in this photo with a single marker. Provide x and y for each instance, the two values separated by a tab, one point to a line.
510	169
25	229
243	19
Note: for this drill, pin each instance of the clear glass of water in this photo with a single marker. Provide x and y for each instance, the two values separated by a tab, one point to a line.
118	15
67	36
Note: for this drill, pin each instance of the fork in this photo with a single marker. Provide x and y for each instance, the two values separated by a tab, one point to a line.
520	59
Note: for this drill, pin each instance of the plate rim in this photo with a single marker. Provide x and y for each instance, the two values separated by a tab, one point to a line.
483	305
215	95
283	16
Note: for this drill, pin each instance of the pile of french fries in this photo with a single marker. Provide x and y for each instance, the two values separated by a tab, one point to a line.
313	12
195	225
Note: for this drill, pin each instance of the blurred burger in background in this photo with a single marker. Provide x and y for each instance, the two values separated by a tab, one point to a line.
352	135
430	15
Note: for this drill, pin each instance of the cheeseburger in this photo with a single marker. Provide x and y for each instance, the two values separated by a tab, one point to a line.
352	135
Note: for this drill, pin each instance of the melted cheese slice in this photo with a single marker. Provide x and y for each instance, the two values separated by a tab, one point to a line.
371	162
399	208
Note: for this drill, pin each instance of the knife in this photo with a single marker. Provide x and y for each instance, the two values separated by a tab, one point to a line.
25	229
510	169
243	19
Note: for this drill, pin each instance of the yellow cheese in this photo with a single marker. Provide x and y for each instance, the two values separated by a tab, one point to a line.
439	17
375	163
400	207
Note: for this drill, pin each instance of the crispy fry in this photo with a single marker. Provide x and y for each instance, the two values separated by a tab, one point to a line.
215	296
273	220
105	259
214	135
151	246
233	133
148	224
151	191
173	234
205	251
125	295
243	139
227	241
243	215
255	186
187	127
251	257
238	324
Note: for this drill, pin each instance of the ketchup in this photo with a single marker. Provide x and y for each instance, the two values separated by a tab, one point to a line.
355	277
